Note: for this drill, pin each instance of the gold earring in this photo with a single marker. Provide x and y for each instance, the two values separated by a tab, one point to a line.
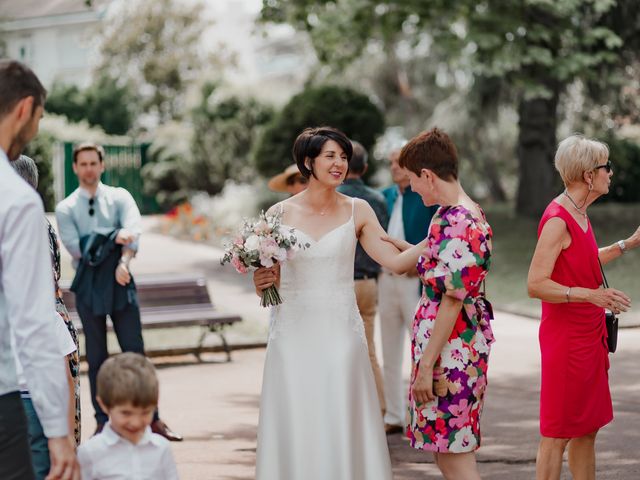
590	186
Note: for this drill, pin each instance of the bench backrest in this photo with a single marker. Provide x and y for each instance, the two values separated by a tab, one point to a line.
161	292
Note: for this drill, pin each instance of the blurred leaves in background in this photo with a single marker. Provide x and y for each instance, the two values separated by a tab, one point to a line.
105	104
531	51
226	128
41	150
212	148
339	107
154	46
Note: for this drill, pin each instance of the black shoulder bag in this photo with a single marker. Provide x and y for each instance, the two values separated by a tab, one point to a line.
610	319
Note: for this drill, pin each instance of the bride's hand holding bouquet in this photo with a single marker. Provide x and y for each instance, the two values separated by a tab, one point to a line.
263	242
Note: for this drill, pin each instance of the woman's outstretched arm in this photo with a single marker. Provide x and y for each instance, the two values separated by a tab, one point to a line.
385	253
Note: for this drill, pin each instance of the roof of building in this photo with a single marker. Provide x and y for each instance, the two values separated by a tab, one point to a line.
12	10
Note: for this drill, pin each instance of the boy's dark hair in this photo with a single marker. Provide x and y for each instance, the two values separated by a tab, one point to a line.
310	142
128	378
17	81
432	150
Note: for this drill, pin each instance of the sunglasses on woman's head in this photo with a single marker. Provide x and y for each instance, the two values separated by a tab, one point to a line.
607	166
91	210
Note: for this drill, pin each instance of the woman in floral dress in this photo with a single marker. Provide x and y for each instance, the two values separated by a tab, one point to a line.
451	331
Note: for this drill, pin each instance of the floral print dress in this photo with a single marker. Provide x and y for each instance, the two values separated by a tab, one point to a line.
73	358
455	262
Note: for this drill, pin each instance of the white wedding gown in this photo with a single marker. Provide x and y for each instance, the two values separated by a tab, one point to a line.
319	412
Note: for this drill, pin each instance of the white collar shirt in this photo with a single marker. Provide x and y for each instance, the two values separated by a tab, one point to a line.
26	303
110	456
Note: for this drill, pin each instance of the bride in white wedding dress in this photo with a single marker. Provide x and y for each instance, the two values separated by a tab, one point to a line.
319	411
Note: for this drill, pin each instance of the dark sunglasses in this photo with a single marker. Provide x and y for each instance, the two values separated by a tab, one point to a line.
91	210
607	166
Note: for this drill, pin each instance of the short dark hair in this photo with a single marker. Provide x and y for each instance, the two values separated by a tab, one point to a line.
88	147
128	378
26	167
359	160
17	81
310	142
433	150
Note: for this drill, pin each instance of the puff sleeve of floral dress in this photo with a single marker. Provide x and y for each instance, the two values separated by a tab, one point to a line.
455	262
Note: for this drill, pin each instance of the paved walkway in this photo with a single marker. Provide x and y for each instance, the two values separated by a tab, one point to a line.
215	405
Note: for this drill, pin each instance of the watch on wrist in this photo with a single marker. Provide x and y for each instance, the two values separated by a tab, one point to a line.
622	246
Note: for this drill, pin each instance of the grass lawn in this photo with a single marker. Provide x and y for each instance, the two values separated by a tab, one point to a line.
515	239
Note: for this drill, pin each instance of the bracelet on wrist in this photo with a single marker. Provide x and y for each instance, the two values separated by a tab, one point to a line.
567	294
622	246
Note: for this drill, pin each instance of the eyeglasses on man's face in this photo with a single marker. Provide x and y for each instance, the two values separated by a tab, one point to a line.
91	210
607	166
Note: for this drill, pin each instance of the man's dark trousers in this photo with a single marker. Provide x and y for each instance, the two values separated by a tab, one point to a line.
15	453
128	330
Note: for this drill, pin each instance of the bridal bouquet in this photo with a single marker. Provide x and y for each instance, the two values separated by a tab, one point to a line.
262	242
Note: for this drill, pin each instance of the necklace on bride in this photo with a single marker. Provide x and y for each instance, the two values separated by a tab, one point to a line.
323	211
574	205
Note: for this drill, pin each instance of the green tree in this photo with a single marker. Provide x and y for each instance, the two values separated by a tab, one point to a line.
41	150
342	108
67	100
110	105
104	103
535	48
225	132
214	147
154	46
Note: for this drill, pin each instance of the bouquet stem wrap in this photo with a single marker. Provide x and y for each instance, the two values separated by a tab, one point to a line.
270	297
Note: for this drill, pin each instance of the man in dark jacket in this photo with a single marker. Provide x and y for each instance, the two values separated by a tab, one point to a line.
365	269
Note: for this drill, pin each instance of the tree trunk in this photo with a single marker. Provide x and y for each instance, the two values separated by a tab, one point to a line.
492	174
536	149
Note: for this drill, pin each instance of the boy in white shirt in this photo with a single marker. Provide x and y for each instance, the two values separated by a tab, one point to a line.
126	449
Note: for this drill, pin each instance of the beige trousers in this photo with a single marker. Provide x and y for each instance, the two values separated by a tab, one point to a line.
399	296
367	300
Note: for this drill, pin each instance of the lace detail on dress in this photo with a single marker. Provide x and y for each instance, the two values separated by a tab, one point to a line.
357	324
317	285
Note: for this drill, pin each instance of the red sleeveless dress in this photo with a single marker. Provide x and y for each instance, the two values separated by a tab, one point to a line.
574	397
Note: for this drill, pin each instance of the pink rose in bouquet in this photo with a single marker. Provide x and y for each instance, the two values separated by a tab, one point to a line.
262	242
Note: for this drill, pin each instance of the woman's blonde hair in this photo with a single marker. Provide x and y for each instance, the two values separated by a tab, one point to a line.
576	155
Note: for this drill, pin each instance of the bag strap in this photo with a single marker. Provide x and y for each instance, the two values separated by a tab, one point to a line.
604	277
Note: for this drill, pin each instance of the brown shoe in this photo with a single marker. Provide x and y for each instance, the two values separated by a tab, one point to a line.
161	428
99	428
390	429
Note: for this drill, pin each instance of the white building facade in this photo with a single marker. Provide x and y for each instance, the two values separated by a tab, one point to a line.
55	38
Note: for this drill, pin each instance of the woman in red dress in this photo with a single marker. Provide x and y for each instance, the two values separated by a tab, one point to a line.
575	401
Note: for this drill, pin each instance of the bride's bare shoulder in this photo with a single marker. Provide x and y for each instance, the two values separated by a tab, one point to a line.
287	205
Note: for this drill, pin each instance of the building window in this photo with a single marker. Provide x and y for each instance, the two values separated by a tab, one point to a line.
25	49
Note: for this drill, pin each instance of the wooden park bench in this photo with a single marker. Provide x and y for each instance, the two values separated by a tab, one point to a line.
168	301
